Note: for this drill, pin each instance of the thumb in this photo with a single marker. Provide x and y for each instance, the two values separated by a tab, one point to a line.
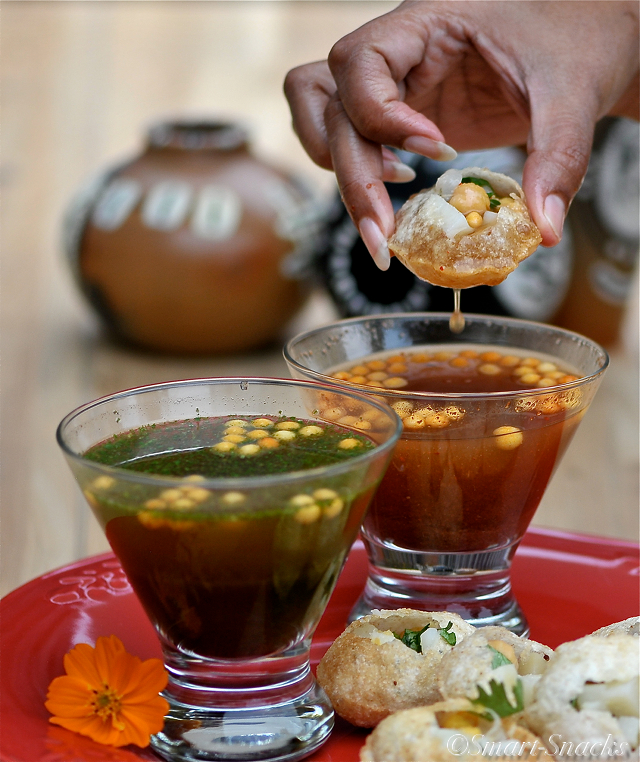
559	148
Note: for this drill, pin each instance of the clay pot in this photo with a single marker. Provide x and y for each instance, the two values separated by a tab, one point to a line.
195	246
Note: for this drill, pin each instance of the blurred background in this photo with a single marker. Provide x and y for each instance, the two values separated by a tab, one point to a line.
82	82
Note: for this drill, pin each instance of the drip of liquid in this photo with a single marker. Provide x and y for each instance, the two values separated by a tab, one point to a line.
456	321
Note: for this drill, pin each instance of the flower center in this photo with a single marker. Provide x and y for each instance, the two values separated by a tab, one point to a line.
107	705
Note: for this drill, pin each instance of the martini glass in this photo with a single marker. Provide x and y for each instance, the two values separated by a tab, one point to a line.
468	474
233	572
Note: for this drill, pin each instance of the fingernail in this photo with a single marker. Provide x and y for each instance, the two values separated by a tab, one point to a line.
375	242
554	211
434	149
397	172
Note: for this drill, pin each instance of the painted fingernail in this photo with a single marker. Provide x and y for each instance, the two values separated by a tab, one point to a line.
434	149
397	172
554	211
375	242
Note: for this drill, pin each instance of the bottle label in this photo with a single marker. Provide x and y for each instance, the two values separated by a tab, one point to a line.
217	213
116	203
166	205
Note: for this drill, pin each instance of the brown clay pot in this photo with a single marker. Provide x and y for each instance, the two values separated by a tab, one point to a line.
195	246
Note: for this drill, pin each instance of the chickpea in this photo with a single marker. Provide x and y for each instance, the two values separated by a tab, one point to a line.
287	425
235	430
308	515
233	438
103	482
257	434
489	369
284	435
233	498
154	504
377	375
474	219
395	382
198	494
310	431
223	447
249	449
183	504
194	478
402	408
508	437
332	413
348	444
437	421
262	422
469	197
170	495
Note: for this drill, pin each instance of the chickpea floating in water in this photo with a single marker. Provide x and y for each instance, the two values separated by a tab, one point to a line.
284	435
224	447
348	444
103	482
508	437
310	431
249	449
233	498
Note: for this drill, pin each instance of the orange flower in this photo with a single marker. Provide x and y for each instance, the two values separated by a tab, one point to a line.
108	694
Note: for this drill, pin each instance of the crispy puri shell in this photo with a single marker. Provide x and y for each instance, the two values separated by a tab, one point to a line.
366	681
413	735
629	626
467	665
591	659
484	257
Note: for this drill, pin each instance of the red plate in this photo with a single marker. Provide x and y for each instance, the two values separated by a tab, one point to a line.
569	585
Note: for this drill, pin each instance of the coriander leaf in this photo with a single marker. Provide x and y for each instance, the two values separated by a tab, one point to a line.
497	699
482	183
494	203
499	659
411	638
447	635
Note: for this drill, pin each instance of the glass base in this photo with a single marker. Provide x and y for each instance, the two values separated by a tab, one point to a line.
477	586
242	710
288	732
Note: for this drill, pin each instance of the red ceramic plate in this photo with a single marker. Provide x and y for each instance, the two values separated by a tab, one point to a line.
568	585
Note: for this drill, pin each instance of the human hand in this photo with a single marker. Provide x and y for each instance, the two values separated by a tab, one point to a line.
478	74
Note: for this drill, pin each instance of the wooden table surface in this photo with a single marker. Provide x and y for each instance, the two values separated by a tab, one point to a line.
81	81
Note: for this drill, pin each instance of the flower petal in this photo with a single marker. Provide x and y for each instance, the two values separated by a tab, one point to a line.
105	654
152	678
80	662
69	697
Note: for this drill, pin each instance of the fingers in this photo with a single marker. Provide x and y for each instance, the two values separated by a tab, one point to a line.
559	148
308	89
359	167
